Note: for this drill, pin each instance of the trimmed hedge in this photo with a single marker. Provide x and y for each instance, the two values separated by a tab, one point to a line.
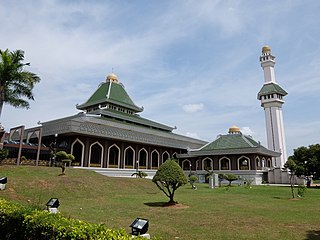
20	222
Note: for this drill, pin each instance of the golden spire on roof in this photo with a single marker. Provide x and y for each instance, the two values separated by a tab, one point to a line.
234	129
112	77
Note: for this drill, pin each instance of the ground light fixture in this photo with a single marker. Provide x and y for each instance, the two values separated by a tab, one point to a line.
140	227
52	205
3	182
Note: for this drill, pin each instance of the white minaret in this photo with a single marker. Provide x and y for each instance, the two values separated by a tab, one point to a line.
271	97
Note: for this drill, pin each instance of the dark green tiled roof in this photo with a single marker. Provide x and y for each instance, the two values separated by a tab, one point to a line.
133	118
271	88
231	141
231	144
117	95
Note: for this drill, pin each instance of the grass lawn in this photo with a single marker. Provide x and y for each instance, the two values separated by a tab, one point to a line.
260	212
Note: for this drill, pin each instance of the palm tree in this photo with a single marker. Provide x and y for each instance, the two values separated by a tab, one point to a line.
16	84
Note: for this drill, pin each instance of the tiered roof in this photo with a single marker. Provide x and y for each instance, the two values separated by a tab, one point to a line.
111	113
113	93
232	143
271	88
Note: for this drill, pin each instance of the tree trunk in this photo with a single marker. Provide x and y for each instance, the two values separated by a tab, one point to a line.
292	185
171	201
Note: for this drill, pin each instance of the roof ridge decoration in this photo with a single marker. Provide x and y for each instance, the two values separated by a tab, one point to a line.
109	90
246	140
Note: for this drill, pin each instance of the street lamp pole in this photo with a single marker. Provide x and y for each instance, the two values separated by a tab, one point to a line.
54	149
137	168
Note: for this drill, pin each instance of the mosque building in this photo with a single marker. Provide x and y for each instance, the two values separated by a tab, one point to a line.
109	134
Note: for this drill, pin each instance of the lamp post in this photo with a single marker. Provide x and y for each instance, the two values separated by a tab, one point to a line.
190	169
53	147
137	168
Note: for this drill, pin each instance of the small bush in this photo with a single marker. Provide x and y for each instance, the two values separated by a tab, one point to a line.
3	154
301	190
18	222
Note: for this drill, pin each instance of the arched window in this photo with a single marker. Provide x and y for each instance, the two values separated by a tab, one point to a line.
224	164
77	150
186	165
154	159
258	163
269	163
143	158
244	163
207	164
95	155
198	165
129	156
174	155
165	156
114	156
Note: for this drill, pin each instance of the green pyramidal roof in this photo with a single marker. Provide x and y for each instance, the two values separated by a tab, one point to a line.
231	141
110	92
271	88
231	144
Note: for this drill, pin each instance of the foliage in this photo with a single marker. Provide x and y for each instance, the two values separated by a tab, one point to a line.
293	167
301	190
16	84
61	155
139	174
116	202
18	222
209	173
230	177
192	180
247	181
221	176
169	178
64	158
308	160
3	154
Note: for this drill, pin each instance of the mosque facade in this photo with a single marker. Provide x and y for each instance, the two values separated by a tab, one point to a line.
110	133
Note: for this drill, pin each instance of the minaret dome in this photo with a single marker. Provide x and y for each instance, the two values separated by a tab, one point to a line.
266	49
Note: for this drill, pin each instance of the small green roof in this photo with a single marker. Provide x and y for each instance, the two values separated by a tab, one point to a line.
231	144
270	88
110	92
230	141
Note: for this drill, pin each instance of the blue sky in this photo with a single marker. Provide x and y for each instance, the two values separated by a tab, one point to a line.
190	64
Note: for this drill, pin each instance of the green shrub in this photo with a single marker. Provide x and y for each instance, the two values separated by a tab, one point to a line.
301	190
18	222
3	154
230	177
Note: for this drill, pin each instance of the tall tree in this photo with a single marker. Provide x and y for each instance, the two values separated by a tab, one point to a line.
308	160
16	84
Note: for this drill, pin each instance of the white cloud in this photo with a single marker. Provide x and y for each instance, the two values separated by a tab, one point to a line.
204	53
247	131
192	108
